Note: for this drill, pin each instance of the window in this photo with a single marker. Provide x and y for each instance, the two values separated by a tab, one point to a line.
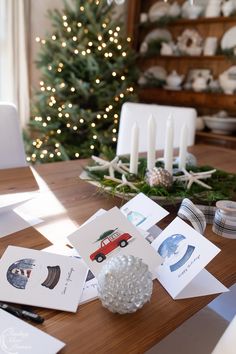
2	45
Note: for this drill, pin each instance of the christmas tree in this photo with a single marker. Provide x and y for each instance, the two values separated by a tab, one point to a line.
88	72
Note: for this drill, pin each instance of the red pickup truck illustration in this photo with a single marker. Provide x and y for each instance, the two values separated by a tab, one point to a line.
110	240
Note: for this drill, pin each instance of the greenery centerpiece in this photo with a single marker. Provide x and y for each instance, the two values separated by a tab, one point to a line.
221	185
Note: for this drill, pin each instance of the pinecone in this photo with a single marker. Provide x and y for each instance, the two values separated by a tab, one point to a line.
159	177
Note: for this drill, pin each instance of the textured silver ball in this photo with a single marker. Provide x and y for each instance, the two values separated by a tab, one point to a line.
158	176
124	284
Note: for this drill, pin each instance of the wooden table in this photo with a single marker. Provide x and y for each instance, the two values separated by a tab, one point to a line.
94	329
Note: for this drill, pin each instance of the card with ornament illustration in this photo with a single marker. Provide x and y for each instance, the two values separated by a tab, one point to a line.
41	279
109	235
143	212
185	254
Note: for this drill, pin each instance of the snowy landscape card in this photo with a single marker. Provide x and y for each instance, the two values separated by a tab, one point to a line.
185	253
143	212
41	279
90	287
19	337
111	234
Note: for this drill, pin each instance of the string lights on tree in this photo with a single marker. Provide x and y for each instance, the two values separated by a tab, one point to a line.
88	72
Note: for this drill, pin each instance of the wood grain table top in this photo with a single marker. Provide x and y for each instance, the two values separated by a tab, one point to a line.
94	329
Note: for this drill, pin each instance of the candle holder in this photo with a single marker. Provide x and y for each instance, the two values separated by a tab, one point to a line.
201	184
224	223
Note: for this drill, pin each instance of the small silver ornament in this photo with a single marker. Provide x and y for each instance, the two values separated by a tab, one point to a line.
158	176
190	160
124	284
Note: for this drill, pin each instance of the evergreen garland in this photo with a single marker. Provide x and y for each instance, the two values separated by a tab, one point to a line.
223	186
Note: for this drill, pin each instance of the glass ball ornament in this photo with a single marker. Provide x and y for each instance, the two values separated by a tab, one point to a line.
124	284
190	160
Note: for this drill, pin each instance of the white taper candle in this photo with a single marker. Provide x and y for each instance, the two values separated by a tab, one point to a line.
151	140
168	152
183	147
133	168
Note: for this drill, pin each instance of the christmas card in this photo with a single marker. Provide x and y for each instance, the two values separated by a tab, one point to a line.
41	279
109	235
185	253
12	217
90	287
12	200
143	212
19	337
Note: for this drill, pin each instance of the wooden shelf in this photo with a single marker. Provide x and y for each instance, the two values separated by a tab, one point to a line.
227	141
205	103
203	20
189	22
184	57
188	98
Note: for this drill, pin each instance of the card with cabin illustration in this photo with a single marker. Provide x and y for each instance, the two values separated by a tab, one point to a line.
109	235
41	279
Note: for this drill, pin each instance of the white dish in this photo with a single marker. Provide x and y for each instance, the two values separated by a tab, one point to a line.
227	80
194	73
200	124
158	72
190	42
158	34
154	72
161	35
229	39
221	125
201	3
173	88
191	11
158	10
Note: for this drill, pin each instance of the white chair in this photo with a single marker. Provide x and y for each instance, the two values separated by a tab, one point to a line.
140	112
12	153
